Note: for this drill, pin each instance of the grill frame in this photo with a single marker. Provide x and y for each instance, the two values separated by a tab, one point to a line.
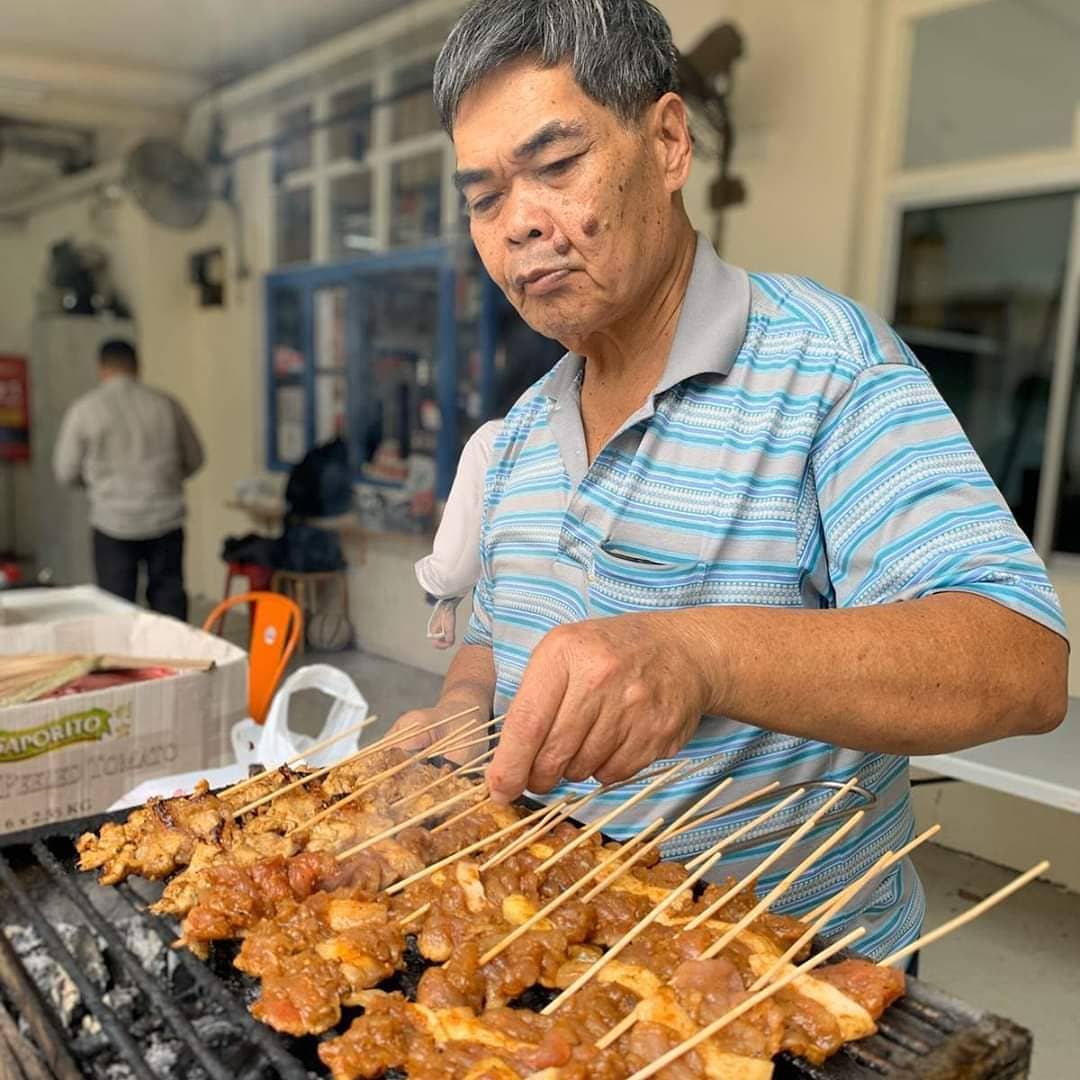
927	1034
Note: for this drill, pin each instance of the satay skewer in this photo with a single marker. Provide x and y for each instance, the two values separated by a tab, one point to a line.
462	814
477	845
709	1030
462	770
370	781
385	743
829	909
387	834
354	729
674	830
663	778
965	917
737	928
712	855
781	887
780	851
569	893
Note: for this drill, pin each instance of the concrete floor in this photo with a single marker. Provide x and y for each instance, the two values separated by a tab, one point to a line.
1021	960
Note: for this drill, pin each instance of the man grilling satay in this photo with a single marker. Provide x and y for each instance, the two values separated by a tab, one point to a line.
736	518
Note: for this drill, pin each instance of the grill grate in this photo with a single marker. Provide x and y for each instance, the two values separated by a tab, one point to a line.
201	1008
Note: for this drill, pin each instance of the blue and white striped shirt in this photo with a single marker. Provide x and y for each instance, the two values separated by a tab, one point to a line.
794	454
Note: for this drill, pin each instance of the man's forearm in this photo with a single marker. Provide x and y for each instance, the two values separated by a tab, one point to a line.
925	676
470	678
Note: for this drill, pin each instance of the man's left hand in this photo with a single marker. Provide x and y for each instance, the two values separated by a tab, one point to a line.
601	698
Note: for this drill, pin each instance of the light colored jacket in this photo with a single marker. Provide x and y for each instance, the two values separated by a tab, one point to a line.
453	566
132	448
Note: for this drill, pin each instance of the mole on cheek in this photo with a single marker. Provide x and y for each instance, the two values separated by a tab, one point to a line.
591	225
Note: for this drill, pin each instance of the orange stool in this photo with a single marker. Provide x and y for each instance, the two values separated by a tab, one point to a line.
277	625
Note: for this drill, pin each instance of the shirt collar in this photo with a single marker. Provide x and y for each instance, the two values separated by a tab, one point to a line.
710	331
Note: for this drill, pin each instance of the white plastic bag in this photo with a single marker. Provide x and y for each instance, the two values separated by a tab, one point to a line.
274	741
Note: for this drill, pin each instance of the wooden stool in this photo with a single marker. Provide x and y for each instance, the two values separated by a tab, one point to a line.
295	584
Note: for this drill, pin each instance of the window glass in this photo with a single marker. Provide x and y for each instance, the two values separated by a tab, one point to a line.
352	225
978	293
293	225
288	366
350	123
293	148
416	199
1000	77
414	112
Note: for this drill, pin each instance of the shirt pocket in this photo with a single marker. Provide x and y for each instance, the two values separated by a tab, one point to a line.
621	581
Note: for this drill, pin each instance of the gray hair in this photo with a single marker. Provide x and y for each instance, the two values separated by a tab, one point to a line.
620	51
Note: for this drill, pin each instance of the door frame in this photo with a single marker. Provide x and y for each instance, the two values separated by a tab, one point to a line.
891	190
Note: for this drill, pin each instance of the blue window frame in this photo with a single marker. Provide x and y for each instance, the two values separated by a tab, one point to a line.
326	340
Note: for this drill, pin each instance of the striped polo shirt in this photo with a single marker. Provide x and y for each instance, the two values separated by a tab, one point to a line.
794	455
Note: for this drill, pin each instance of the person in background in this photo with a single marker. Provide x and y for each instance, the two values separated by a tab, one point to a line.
453	567
132	448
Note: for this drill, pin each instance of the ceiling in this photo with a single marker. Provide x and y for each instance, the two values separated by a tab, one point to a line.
215	41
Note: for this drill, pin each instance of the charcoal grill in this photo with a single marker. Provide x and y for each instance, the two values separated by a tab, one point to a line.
171	1015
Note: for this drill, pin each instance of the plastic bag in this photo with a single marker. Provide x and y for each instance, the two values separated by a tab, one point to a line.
274	741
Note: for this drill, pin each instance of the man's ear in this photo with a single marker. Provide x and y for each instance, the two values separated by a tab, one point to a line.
669	130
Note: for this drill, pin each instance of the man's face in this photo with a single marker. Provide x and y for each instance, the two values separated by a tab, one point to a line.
569	208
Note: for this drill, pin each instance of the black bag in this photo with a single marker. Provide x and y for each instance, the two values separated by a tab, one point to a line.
320	485
308	549
253	549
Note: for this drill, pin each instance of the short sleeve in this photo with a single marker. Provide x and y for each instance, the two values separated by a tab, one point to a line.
480	621
907	508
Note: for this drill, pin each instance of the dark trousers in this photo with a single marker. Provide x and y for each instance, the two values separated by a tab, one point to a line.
117	565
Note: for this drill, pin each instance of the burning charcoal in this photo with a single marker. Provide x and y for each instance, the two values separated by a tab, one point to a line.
147	947
163	1057
88	949
124	1001
47	974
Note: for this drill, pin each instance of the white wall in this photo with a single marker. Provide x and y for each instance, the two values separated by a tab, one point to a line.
799	103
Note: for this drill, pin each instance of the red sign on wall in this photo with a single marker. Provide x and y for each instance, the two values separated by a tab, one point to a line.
14	410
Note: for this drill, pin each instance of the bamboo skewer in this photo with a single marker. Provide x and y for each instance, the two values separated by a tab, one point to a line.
305	779
781	887
687	821
383	744
302	756
780	851
832	905
591	830
545	822
355	794
829	909
564	896
427	871
462	770
401	826
462	814
737	928
712	855
709	1030
965	917
674	830
553	815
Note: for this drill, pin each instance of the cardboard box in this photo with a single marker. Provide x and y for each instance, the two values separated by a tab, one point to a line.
42	605
71	756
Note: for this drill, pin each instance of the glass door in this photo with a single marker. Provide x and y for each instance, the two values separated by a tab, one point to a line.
983	298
